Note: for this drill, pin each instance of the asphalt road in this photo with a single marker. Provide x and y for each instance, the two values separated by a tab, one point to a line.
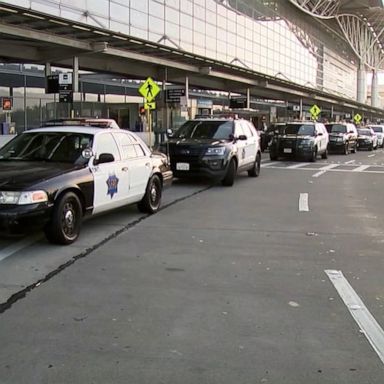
278	279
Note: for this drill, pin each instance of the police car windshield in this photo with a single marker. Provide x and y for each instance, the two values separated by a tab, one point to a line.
336	128
63	147
205	129
377	128
300	129
364	132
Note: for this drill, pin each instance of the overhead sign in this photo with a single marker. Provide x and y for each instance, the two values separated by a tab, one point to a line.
149	90
357	118
315	111
238	102
173	95
150	106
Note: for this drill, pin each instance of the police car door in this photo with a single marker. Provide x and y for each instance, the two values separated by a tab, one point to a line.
240	144
111	180
250	151
139	164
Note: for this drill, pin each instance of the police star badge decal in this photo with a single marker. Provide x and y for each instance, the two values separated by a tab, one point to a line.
112	185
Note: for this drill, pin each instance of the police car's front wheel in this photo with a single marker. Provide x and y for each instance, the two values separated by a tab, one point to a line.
152	198
64	228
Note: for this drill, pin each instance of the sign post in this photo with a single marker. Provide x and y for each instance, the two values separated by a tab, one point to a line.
149	90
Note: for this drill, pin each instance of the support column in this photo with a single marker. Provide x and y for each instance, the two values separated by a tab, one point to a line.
375	90
361	84
75	75
248	98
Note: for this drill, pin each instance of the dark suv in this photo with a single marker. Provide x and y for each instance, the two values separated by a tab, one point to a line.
215	148
342	137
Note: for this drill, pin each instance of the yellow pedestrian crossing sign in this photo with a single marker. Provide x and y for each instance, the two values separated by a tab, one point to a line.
315	111
149	90
357	118
150	106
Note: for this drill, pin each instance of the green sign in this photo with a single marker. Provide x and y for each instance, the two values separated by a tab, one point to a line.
149	90
150	106
315	111
357	118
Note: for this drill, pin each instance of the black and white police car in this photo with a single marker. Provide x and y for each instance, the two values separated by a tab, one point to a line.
53	177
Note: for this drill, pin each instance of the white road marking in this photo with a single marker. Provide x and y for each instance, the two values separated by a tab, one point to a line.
271	164
299	165
361	168
15	247
325	169
350	162
373	155
367	323
303	202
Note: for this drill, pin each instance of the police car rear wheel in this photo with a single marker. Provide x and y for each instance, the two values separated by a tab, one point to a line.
65	225
152	198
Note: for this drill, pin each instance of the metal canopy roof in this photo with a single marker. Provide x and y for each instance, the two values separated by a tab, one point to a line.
33	37
360	21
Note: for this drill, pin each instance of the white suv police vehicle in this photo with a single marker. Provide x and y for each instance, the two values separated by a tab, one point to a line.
52	177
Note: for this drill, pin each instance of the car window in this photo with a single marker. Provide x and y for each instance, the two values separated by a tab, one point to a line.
364	132
336	128
205	129
239	129
377	129
300	129
64	147
106	144
246	128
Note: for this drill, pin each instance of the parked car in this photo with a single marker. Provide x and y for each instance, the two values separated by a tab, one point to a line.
379	130
366	139
305	139
54	177
342	137
216	148
273	130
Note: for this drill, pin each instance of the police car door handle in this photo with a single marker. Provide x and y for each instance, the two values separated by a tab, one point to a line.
124	169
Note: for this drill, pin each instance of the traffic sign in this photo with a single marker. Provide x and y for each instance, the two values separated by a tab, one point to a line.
357	118
149	90
315	111
150	106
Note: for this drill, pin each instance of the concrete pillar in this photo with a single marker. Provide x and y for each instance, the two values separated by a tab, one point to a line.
375	90
248	98
361	84
48	71
75	75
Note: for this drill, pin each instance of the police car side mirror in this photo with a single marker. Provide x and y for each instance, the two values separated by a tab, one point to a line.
242	137
169	132
104	158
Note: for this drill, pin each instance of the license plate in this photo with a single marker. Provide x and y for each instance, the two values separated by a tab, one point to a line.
287	150
182	166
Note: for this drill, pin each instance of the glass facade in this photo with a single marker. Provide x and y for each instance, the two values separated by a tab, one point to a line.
261	35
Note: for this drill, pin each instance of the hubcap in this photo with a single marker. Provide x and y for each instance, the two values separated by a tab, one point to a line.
153	194
69	219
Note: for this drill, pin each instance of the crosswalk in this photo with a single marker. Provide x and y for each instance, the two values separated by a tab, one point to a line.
323	167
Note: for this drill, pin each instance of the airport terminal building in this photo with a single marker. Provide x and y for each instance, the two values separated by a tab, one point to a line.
282	56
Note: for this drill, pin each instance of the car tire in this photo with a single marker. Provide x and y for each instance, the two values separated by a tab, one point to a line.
255	170
325	154
370	148
314	155
346	150
229	178
151	201
272	157
64	227
354	150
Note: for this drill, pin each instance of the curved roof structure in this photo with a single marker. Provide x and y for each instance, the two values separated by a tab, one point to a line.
361	22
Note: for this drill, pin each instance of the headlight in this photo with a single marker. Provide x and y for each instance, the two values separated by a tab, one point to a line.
23	198
218	151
